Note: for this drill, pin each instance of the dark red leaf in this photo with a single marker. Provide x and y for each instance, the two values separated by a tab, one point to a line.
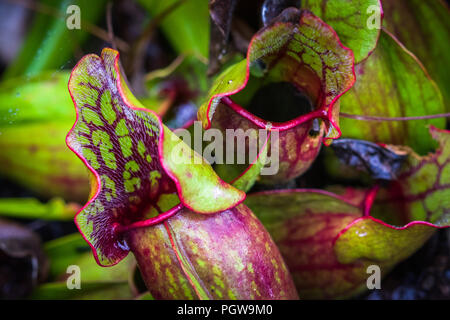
379	162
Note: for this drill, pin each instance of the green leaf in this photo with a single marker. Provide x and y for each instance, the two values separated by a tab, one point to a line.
63	252
187	30
249	176
139	167
353	20
186	27
383	245
96	282
392	83
35	115
423	27
145	296
89	291
50	43
73	250
31	208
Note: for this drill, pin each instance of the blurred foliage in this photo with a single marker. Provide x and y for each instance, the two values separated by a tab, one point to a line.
50	44
31	208
96	282
35	115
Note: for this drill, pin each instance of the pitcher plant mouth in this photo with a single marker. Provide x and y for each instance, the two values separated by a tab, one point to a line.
135	181
301	59
272	125
295	48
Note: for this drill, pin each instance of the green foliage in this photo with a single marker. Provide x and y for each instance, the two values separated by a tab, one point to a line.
55	209
50	44
35	115
423	27
353	20
392	83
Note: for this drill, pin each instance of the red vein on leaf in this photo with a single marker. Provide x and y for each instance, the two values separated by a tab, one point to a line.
149	222
369	200
377	118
